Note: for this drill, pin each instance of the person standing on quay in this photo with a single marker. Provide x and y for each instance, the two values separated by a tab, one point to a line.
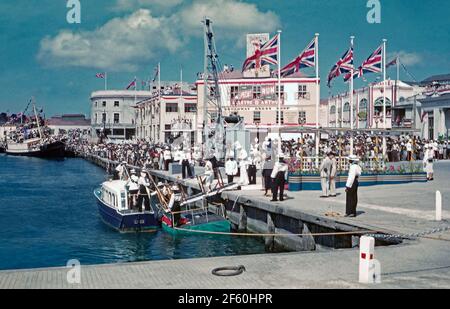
167	158
351	187
231	168
333	174
266	174
325	170
279	177
428	158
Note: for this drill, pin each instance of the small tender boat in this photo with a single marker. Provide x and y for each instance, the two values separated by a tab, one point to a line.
179	217
114	207
195	220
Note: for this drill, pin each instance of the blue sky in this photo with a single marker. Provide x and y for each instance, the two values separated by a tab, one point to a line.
44	56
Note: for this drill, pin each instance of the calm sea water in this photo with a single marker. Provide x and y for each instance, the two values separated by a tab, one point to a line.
48	215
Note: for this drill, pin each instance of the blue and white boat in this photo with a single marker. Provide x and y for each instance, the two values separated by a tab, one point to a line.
114	207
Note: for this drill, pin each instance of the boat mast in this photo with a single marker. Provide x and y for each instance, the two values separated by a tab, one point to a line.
36	117
212	105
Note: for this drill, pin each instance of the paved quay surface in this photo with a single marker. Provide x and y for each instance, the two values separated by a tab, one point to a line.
424	264
407	208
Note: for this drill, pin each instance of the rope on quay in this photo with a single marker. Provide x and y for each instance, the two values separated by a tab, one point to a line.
381	235
272	234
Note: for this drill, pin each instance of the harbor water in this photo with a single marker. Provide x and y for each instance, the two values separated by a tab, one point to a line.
48	216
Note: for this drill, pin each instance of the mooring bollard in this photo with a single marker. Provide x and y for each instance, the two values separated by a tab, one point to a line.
369	268
438	206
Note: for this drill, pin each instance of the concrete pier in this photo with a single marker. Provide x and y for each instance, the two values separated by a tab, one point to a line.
398	209
304	212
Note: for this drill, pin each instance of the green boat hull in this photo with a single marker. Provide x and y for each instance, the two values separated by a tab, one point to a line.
223	226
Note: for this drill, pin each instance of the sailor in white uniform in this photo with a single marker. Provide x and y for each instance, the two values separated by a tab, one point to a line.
167	155
231	167
279	177
120	169
185	162
428	158
144	185
133	188
209	174
351	187
242	157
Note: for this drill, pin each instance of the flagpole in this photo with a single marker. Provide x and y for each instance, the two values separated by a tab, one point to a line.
106	81
351	101
384	96
279	80
317	100
397	81
159	99
181	81
398	68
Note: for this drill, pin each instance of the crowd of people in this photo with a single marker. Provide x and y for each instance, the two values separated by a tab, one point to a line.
397	148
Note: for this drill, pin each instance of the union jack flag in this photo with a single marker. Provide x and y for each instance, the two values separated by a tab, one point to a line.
393	62
307	58
356	74
371	65
266	54
132	84
344	65
100	75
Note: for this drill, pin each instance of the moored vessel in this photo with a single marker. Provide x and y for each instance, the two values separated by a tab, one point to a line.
115	208
29	139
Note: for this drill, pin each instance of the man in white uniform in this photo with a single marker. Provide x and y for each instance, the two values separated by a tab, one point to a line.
242	157
325	170
231	167
144	185
428	158
351	187
279	177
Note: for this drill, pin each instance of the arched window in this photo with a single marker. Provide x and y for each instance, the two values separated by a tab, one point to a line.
402	99
347	107
379	102
333	110
363	105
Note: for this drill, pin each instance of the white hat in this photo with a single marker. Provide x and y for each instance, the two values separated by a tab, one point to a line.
353	158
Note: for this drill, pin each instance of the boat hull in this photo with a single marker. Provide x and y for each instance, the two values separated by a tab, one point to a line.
216	225
130	222
52	150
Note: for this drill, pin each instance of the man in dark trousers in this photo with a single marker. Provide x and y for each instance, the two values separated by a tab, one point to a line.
351	187
144	184
266	174
279	177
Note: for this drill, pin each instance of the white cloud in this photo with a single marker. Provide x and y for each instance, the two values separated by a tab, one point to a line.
128	5
125	42
233	18
119	45
407	58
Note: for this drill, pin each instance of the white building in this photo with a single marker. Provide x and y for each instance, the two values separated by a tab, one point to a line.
256	100
158	116
368	105
65	123
431	109
114	112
